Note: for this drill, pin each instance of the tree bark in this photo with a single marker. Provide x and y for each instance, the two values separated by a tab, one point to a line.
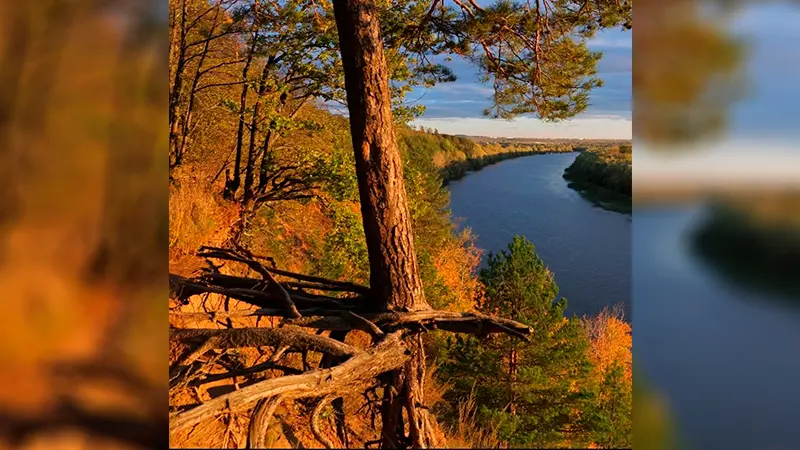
175	91
232	184
394	273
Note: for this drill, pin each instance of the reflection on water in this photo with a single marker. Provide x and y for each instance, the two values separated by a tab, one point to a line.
759	258
725	357
587	248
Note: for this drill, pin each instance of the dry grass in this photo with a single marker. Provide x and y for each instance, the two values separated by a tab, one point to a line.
198	217
468	433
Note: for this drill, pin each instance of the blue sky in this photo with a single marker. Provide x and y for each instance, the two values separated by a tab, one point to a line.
456	108
770	109
762	142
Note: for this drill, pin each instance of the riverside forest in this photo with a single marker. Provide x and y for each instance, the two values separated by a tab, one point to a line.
604	176
320	293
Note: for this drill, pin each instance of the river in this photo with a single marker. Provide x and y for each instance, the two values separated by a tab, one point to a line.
587	248
725	357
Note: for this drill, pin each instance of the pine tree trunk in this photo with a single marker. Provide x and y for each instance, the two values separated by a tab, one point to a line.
394	273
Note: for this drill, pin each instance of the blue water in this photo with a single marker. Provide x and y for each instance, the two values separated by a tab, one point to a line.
727	359
587	248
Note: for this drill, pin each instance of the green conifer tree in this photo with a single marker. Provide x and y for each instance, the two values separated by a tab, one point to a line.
534	394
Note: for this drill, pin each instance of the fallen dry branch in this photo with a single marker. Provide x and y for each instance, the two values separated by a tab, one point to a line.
259	422
236	282
182	289
267	365
332	319
315	429
230	255
470	323
355	374
262	337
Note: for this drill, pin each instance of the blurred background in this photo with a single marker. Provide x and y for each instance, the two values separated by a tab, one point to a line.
716	235
83	224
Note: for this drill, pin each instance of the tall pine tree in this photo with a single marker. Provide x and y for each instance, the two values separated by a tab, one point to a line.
534	394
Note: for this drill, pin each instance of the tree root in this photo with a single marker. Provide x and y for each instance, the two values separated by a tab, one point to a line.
259	422
351	376
315	422
396	358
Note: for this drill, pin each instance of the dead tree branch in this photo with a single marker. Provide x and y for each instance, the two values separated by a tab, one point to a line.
259	422
315	422
354	374
262	337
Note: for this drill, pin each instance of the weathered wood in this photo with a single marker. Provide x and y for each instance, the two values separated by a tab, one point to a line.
363	324
259	421
331	319
263	337
355	374
230	255
315	422
268	365
283	295
183	288
469	323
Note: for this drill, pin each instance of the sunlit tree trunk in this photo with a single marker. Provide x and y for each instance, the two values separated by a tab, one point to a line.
178	53
394	272
233	183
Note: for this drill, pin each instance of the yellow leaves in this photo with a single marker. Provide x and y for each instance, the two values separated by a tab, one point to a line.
456	264
610	342
439	160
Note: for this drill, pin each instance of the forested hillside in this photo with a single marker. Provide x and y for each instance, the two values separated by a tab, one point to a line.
259	167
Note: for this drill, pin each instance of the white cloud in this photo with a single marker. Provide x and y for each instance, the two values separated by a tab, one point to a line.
608	42
725	161
591	127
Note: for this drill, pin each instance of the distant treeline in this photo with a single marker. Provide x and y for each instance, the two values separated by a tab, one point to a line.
606	169
753	247
455	156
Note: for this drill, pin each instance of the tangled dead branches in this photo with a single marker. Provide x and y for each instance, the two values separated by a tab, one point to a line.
304	302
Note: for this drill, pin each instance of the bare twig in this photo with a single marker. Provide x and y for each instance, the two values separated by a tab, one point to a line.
315	422
363	324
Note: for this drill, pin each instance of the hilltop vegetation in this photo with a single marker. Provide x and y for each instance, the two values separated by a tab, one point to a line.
456	156
604	176
322	235
259	167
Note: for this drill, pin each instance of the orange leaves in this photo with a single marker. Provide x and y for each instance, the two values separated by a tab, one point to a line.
456	264
610	342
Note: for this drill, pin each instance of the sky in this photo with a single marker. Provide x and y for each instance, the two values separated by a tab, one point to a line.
456	108
762	143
